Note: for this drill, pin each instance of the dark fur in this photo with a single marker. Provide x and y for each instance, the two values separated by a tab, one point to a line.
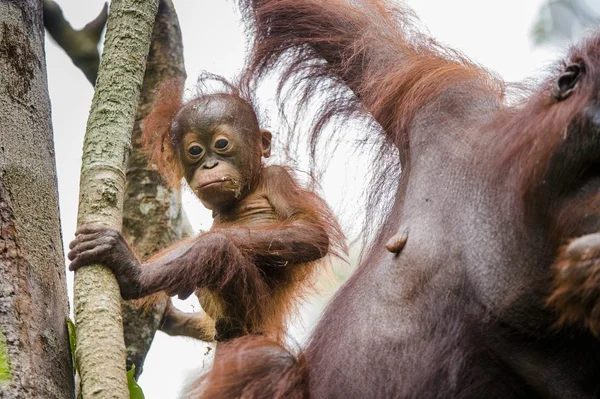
478	303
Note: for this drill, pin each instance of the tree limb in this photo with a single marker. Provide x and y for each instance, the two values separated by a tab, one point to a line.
152	214
80	45
100	350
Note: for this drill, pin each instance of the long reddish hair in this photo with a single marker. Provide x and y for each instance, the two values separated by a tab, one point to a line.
156	131
367	61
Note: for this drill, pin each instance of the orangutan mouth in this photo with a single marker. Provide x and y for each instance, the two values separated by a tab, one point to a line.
215	181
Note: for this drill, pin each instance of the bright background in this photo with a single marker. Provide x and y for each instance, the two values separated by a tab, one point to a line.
497	34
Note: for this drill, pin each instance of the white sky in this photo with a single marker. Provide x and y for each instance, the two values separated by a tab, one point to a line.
493	33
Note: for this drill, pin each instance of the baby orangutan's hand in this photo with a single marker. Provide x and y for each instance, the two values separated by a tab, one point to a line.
100	245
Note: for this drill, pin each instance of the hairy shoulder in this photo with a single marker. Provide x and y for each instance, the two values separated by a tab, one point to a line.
285	194
278	172
277	177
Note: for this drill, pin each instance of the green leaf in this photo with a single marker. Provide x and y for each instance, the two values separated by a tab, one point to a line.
4	360
73	342
135	392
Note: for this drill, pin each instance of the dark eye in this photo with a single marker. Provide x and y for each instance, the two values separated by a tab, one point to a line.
195	150
221	143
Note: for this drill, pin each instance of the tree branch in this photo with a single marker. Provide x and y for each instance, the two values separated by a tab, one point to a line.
100	349
152	214
80	45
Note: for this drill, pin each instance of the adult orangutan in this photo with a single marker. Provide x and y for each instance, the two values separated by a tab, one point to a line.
484	279
267	235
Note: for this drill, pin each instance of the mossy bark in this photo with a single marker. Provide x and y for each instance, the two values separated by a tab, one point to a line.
100	346
34	344
152	214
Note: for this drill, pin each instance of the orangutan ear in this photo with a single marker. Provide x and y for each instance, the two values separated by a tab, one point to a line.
566	83
265	143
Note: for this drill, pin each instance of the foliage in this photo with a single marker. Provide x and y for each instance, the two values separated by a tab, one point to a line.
4	361
73	342
135	392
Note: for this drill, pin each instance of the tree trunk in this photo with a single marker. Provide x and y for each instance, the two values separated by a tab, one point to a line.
100	347
152	214
34	346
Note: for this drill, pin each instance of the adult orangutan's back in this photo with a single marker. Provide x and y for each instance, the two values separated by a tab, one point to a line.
484	280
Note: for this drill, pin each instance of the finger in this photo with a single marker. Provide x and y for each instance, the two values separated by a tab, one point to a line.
87	258
112	237
90	229
81	238
88	245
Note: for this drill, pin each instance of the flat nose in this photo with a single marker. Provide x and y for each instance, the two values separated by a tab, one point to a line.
211	163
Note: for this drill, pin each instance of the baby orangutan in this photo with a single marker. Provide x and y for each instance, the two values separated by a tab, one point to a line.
268	233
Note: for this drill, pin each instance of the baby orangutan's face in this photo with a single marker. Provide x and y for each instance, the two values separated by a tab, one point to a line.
220	159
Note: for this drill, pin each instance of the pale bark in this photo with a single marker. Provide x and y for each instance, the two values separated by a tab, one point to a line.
152	214
100	346
33	295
